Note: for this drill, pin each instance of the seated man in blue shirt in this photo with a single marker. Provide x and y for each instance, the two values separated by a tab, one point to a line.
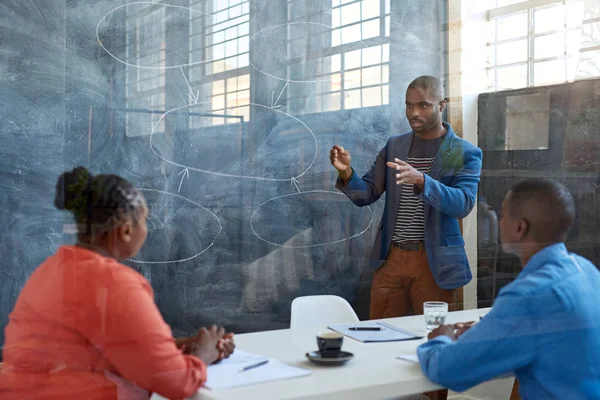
545	326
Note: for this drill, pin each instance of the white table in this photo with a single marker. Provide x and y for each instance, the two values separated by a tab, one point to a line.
374	373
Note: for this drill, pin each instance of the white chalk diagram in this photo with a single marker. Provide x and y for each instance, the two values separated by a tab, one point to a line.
165	193
193	97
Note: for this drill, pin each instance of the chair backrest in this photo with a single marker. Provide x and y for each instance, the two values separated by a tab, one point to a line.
320	311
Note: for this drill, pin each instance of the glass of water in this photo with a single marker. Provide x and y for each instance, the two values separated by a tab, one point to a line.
435	314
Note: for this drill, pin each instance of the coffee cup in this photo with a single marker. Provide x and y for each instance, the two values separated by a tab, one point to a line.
329	342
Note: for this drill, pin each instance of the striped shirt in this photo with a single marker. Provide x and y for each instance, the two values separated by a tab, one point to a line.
410	217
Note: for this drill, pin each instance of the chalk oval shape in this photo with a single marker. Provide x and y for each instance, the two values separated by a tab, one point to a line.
179	232
309	219
141	4
277	60
284	147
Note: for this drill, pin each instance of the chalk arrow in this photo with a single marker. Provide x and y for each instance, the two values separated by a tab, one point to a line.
184	174
295	183
274	103
191	95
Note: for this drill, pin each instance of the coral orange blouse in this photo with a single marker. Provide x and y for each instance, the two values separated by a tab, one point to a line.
87	327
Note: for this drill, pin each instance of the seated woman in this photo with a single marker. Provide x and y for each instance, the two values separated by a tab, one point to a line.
85	326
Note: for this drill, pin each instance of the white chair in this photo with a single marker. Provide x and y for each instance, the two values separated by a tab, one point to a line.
320	311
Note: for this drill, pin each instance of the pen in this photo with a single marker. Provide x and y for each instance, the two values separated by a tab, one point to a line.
251	366
365	328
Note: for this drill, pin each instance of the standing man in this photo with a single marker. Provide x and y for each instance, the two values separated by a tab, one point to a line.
431	178
544	326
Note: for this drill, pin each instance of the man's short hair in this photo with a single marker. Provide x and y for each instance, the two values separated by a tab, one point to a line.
431	83
547	205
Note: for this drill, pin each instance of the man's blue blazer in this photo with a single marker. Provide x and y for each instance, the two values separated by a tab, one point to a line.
449	194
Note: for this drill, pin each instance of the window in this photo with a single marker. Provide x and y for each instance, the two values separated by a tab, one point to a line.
537	45
589	63
145	87
219	54
343	56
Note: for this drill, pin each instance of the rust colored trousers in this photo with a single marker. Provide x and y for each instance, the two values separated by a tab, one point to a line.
401	286
403	283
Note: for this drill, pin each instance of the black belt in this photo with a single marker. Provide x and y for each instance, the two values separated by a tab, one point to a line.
409	246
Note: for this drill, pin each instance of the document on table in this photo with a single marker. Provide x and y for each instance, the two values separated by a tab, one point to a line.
386	332
412	358
228	373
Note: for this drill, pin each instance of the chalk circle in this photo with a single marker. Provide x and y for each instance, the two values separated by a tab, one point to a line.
278	62
301	125
279	220
188	218
272	31
166	6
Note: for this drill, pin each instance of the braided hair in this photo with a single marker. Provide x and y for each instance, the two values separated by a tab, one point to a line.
99	203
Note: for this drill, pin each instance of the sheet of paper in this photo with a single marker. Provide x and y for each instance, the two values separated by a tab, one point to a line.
241	357
388	333
227	374
413	358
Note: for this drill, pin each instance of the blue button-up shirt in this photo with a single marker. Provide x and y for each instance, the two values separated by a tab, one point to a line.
544	328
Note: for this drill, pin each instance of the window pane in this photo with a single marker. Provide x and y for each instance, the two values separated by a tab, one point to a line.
352	79
370	9
230	48
549	72
332	63
371	76
512	52
244	82
231	33
549	19
512	26
573	41
335	17
549	46
335	82
235	12
218	51
243	44
371	96
231	63
218	102
243	29
590	35
385	73
574	13
370	29
336	38
351	34
589	64
351	13
232	85
243	97
352	99
371	56
219	5
512	77
243	60
572	67
218	87
352	59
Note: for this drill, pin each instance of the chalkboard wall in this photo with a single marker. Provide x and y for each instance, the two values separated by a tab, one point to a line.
244	215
